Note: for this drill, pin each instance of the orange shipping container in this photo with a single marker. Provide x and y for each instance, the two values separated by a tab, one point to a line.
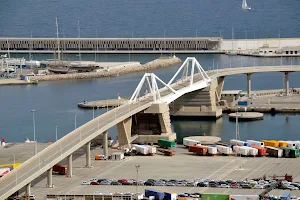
201	150
261	150
283	144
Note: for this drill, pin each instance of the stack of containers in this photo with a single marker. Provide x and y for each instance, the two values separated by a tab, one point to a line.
224	150
238	142
274	152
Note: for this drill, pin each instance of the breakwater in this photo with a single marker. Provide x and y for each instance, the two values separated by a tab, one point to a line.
155	64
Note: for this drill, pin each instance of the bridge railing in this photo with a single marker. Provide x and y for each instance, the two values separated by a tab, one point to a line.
44	160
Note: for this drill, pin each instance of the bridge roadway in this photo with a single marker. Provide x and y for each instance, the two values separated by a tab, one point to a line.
44	160
250	70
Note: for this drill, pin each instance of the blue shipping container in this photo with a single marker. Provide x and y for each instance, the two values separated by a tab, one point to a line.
243	103
157	194
285	196
170	196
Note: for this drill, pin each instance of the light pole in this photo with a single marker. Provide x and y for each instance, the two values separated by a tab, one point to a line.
75	121
33	119
93	112
56	132
137	167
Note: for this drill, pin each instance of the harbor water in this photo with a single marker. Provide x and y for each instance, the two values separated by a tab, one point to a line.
56	102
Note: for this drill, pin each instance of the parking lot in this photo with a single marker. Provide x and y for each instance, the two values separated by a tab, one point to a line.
182	166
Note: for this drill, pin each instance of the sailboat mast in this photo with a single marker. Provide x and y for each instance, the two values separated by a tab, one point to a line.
79	44
8	52
58	50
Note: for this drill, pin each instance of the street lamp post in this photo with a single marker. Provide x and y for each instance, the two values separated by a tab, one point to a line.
137	167
33	119
56	132
75	121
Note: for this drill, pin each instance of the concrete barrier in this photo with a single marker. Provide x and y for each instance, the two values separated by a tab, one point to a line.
155	64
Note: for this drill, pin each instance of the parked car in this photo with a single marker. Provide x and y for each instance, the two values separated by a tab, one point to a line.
258	187
115	183
85	183
202	184
224	186
105	183
195	195
170	184
149	183
94	183
245	186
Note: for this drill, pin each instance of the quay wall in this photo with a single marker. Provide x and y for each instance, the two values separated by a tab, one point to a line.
248	44
155	64
109	45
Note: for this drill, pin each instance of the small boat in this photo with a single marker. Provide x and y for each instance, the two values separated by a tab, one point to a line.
245	5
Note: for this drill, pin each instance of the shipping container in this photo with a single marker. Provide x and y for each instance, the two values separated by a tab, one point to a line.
170	196
244	197
60	169
189	142
166	143
291	144
212	150
199	150
252	151
283	144
206	196
5	170
271	143
261	150
274	152
241	150
224	150
285	196
238	142
157	194
226	144
297	144
290	152
255	143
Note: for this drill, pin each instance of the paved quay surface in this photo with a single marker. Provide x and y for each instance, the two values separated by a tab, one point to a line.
183	165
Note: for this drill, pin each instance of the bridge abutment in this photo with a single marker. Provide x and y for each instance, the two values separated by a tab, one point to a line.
200	103
219	88
124	132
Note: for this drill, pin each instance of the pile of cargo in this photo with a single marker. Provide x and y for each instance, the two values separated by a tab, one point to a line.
166	147
273	148
60	169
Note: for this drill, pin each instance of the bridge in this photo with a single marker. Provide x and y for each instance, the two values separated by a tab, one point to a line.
151	98
156	100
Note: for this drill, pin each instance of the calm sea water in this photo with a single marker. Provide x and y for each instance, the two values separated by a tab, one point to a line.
56	102
150	18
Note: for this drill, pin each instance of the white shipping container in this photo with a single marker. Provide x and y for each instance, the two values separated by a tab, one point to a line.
291	144
252	151
297	144
238	142
4	171
212	150
189	142
224	150
241	150
255	143
151	149
244	197
143	150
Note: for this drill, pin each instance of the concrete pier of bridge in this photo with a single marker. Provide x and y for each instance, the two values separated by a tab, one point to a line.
286	82
28	187
88	155
105	143
49	178
70	166
249	84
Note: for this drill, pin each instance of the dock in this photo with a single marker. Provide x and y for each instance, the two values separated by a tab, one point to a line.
14	81
108	103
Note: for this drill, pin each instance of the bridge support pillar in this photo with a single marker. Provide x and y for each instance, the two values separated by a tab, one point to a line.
124	132
70	170
219	88
49	178
286	83
28	187
105	143
88	155
249	85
